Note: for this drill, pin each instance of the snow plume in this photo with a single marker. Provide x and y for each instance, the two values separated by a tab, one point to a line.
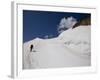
66	23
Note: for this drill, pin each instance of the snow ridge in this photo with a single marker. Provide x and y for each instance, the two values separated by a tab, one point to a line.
70	49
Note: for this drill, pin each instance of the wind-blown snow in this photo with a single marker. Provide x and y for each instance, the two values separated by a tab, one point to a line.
70	49
66	23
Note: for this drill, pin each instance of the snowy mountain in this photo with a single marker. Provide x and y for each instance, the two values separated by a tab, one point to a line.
70	49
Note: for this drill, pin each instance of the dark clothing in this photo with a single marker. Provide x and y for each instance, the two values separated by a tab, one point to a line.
31	47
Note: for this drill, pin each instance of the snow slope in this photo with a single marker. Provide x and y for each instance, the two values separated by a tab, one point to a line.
70	49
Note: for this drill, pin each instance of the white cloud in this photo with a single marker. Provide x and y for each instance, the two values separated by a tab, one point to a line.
66	23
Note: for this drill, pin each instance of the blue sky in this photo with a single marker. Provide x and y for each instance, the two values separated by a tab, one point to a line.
43	23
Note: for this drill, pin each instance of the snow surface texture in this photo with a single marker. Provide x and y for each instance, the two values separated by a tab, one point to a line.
70	49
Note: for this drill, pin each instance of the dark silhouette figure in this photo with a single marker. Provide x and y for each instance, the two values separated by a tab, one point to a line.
31	47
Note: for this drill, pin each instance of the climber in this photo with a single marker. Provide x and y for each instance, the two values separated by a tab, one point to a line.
31	47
